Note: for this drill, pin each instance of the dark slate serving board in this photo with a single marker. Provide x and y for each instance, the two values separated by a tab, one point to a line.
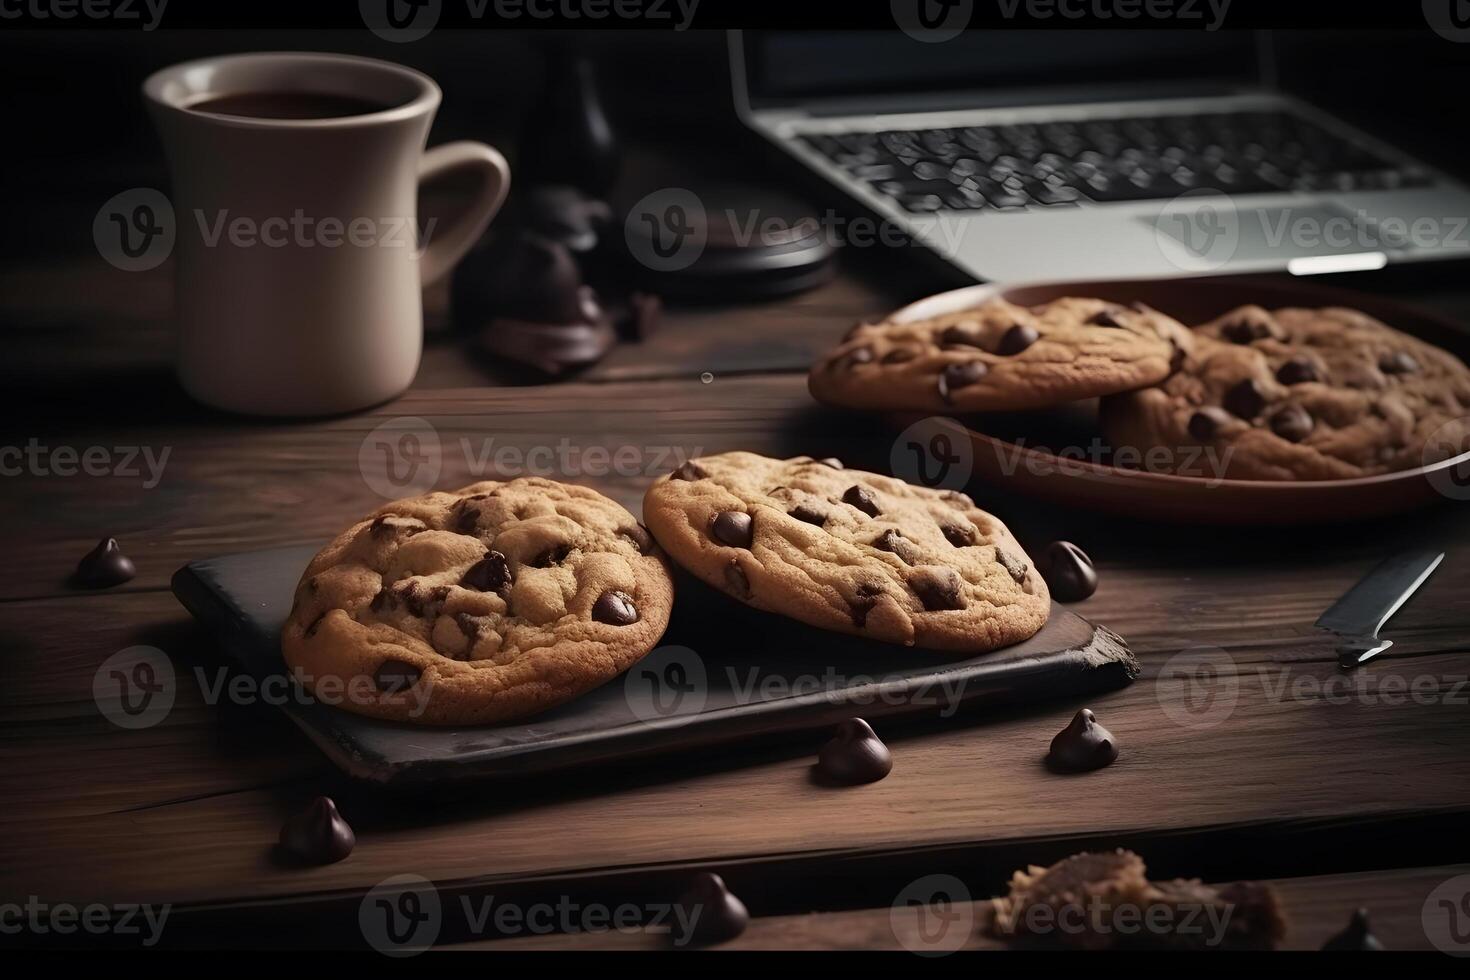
725	673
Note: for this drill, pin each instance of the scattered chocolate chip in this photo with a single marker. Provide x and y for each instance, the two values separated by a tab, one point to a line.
713	914
861	604
854	357
396	676
104	566
854	755
1292	423
1356	937
489	574
958	535
1205	423
899	355
1017	339
415	597
938	589
1398	362
314	625
731	527
892	541
1106	318
552	556
862	498
832	462
736	580
1068	571
958	336
467	521
1015	566
615	608
809	513
471	626
318	834
639	536
1298	370
1244	399
688	471
957	376
1083	745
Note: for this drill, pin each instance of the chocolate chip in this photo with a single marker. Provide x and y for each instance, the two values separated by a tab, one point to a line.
809	513
1083	745
396	676
318	834
104	566
1356	937
689	471
419	599
1244	399
736	580
1068	571
380	528
731	527
1017	339
467	521
862	498
1106	318
711	912
1297	371
489	574
639	536
899	355
1398	362
552	556
938	589
615	608
1292	423
314	625
853	756
1205	423
832	462
861	604
1245	330
957	376
958	535
854	357
385	599
471	626
892	541
958	336
1015	566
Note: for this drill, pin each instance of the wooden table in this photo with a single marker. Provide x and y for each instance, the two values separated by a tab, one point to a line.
1345	795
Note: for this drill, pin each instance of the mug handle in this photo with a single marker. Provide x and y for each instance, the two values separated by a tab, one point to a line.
446	248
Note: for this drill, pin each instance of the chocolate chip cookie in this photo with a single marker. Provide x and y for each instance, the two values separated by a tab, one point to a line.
1001	357
1300	394
491	603
849	551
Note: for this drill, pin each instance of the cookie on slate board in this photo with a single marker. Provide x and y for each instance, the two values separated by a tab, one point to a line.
1301	395
1001	357
849	551
484	605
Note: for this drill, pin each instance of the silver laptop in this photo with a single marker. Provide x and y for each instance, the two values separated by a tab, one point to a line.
1022	155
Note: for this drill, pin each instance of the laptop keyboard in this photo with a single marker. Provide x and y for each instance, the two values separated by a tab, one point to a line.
1061	164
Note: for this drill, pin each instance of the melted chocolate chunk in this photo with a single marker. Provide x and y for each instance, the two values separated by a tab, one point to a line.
489	574
552	556
1292	423
853	756
711	912
318	834
639	536
1013	565
809	513
894	542
958	535
1083	745
104	566
938	589
1068	572
861	604
862	498
736	580
1245	399
732	527
615	608
689	471
1398	362
1206	423
472	626
467	521
396	676
1017	339
1106	318
957	376
1298	370
1243	331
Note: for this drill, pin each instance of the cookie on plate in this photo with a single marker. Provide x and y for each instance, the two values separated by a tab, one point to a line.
849	551
483	605
1299	395
1001	357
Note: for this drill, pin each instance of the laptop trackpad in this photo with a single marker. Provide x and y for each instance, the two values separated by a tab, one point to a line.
1280	233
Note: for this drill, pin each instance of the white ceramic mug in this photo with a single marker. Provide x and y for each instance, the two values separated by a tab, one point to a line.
298	243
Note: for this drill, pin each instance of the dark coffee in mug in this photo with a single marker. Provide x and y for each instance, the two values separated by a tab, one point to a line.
287	105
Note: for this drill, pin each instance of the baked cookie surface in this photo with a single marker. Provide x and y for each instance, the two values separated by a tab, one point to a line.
1000	357
849	551
490	603
1302	395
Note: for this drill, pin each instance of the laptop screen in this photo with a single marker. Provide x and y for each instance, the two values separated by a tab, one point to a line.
785	67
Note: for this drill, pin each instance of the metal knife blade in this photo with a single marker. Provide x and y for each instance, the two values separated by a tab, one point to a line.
1363	609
